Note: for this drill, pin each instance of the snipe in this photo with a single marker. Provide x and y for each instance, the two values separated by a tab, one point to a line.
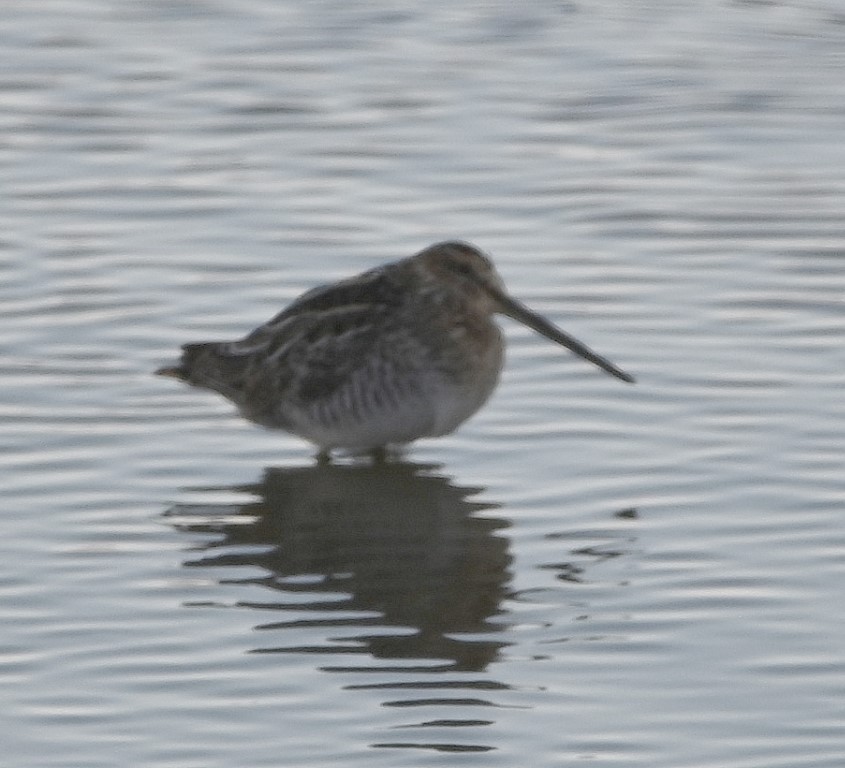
407	350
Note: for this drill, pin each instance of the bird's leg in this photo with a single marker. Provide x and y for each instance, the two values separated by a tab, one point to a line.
379	455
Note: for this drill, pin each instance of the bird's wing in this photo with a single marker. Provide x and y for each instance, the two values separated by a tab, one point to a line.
376	289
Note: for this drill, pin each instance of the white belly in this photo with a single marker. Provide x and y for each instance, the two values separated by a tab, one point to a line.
377	407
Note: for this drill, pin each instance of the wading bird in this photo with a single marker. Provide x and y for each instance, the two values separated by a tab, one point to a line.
403	351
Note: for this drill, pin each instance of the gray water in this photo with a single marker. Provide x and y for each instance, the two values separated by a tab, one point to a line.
585	573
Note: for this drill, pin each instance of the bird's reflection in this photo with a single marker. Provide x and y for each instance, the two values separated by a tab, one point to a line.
393	553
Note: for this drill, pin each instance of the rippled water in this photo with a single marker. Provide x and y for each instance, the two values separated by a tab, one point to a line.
586	572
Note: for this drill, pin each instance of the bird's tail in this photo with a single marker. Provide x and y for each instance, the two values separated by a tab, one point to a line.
209	365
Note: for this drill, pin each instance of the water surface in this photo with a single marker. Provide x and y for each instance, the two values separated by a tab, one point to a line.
586	572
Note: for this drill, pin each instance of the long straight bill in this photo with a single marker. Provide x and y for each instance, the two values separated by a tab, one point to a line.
519	312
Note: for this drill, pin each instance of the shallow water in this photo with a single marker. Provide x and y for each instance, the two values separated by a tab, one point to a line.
586	572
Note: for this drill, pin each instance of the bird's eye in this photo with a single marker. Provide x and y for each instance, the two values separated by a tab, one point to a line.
461	267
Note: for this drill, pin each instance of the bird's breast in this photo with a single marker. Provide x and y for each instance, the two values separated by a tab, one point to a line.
468	372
